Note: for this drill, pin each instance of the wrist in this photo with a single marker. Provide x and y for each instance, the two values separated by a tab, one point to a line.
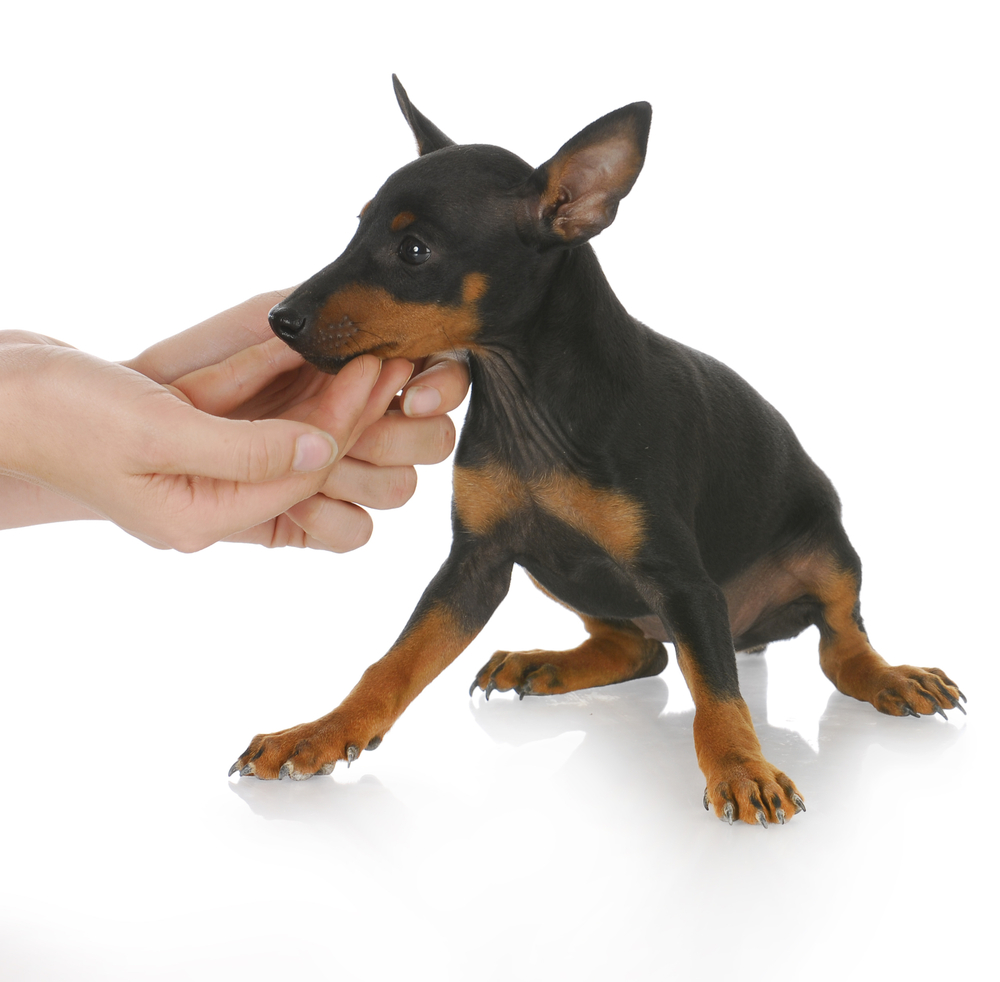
23	503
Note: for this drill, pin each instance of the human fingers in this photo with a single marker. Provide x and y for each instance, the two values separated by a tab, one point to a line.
223	387
327	409
319	523
254	451
370	485
439	387
338	526
211	341
396	439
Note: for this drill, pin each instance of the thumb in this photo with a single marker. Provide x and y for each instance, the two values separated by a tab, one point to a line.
202	445
244	451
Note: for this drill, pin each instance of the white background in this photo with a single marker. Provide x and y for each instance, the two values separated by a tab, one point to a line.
819	209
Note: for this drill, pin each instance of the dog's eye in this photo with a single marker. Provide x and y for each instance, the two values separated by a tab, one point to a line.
413	251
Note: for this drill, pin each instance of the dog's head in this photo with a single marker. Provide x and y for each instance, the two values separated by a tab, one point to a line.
458	245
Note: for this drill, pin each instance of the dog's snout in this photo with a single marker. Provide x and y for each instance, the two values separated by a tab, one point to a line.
286	322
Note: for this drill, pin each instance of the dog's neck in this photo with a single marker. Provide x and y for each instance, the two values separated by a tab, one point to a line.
556	373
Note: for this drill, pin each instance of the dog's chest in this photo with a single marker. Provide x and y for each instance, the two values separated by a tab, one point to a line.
580	542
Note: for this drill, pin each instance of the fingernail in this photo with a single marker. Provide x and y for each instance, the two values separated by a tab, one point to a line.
421	400
314	451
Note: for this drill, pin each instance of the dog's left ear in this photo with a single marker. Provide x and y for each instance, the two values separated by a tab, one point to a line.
428	136
575	195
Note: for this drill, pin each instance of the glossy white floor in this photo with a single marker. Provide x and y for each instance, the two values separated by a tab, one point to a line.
816	209
553	837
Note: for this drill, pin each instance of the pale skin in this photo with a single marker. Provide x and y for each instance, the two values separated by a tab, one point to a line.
220	432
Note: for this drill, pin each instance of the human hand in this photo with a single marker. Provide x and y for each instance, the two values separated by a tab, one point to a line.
143	455
231	365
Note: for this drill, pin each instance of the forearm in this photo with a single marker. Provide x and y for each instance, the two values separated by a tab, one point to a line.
23	503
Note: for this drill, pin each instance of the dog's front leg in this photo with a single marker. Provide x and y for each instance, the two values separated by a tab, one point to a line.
453	609
740	783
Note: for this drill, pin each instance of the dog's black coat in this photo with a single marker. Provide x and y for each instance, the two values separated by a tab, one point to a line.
642	483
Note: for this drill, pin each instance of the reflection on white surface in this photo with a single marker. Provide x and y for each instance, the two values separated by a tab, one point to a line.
551	836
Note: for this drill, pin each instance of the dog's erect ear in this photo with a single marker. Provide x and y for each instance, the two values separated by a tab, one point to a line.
429	137
575	195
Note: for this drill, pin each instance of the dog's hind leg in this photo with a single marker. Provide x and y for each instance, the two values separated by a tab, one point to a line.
850	662
616	651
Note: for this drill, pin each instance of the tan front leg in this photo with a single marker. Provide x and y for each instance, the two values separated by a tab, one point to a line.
360	722
740	783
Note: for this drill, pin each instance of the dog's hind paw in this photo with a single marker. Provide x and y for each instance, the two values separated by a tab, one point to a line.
528	673
903	690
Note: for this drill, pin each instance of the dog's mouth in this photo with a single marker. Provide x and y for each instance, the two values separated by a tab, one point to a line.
328	345
332	364
360	319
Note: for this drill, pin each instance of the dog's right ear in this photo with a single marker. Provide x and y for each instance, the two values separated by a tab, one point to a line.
429	137
575	195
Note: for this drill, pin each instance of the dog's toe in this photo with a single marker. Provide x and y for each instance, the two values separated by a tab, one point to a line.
302	751
753	791
904	690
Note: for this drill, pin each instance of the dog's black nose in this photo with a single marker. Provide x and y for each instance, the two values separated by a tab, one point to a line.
285	322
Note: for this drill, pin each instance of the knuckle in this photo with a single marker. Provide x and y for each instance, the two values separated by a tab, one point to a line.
398	487
381	444
254	461
446	439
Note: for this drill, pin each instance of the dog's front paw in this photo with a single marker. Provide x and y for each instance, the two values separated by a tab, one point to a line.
907	691
302	751
752	791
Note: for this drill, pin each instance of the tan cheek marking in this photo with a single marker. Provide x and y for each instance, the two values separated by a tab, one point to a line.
402	220
369	319
367	205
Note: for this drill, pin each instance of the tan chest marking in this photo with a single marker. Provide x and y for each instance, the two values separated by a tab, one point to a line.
485	496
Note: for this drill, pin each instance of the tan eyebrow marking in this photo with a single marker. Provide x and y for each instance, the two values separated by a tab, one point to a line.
403	219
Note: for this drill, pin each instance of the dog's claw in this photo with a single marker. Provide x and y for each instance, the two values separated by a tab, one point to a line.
352	754
246	771
489	688
727	813
286	770
781	816
800	805
761	819
234	768
473	687
704	800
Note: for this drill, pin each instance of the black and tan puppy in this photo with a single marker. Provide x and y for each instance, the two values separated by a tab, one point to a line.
641	483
